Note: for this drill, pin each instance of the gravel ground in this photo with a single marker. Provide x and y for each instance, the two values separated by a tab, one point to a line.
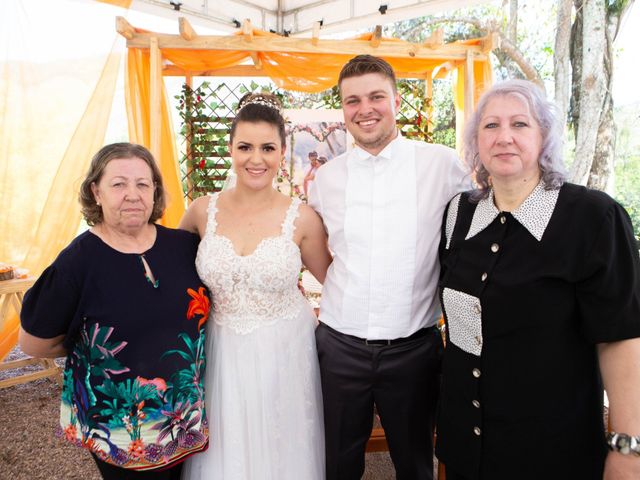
30	451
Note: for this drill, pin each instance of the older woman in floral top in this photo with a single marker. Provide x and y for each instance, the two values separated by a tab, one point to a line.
124	303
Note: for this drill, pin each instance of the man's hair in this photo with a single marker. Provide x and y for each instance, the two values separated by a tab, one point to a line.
364	64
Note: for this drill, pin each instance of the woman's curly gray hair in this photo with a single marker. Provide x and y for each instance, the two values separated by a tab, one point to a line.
552	169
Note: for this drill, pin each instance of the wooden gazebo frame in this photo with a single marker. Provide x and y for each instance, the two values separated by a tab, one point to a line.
434	48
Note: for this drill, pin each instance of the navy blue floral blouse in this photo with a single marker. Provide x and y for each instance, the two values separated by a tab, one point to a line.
133	390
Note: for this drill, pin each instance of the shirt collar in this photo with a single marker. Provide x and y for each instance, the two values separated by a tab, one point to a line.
387	152
533	214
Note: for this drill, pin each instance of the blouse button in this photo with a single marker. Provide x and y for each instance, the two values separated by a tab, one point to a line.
476	372
503	219
477	308
477	431
484	276
476	403
495	247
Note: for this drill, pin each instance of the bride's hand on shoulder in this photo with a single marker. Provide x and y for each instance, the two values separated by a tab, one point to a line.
194	219
313	242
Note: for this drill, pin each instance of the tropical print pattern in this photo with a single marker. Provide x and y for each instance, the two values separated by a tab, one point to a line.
134	422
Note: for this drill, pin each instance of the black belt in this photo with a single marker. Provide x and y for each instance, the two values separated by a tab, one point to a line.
394	341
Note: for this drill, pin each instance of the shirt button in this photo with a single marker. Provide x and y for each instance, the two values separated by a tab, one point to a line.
476	403
476	372
484	276
477	308
503	219
477	431
495	247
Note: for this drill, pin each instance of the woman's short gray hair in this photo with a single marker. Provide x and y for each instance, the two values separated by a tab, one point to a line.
92	212
551	163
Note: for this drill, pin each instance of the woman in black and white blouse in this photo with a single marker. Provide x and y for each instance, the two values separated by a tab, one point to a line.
540	287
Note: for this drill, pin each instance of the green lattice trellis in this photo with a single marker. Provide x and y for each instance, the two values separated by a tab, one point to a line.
207	112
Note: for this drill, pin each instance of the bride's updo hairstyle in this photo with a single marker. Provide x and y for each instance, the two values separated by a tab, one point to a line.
259	107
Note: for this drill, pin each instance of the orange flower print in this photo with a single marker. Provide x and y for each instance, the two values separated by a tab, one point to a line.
136	449
199	305
157	382
70	432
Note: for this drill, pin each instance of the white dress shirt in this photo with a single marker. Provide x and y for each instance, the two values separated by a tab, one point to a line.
383	215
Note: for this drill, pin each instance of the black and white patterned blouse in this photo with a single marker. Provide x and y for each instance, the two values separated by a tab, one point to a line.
527	295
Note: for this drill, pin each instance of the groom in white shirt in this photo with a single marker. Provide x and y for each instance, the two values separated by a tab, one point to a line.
382	204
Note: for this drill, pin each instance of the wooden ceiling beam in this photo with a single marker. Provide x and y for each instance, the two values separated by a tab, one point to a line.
124	28
186	30
315	34
247	30
302	45
251	71
376	38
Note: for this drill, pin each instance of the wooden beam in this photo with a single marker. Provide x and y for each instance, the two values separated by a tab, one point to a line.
468	86
124	28
315	33
490	42
304	45
186	30
249	71
247	30
436	39
377	36
257	63
428	93
155	99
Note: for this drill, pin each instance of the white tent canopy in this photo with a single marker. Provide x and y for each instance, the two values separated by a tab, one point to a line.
297	17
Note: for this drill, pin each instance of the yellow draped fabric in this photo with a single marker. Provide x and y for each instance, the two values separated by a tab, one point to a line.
54	111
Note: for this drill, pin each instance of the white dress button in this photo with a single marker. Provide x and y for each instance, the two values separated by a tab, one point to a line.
495	247
476	403
484	276
477	308
477	431
503	219
476	372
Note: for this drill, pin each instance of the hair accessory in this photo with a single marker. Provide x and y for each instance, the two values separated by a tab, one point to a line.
258	99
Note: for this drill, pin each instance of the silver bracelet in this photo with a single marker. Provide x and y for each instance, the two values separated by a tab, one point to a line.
623	443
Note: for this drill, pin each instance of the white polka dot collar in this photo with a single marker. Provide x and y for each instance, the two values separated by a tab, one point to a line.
533	214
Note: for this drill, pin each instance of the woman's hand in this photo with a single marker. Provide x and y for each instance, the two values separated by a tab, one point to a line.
620	369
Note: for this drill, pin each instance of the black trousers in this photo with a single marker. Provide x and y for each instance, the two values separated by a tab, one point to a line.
111	472
402	380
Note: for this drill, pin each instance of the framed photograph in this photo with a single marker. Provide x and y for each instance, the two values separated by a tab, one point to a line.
314	137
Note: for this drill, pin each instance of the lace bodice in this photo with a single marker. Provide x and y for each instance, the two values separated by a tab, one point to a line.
253	290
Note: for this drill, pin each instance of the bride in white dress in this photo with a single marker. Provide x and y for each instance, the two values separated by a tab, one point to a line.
264	402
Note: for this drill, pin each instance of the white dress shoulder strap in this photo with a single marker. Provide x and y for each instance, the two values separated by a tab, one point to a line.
293	212
212	210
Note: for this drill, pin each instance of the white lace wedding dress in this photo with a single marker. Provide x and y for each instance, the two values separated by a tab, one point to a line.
263	394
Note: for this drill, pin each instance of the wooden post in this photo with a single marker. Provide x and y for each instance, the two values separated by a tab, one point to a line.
428	93
189	136
468	86
155	99
376	37
315	33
